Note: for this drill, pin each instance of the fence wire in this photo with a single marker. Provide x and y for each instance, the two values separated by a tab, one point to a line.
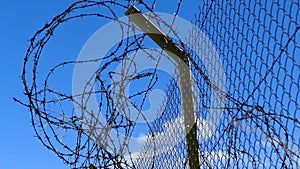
258	43
255	125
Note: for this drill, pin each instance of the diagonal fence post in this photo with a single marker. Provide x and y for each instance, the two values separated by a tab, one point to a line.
179	56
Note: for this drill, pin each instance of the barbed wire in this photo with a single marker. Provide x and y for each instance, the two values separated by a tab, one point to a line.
51	114
257	43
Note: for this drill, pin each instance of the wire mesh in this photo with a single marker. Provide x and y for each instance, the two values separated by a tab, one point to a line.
258	43
256	125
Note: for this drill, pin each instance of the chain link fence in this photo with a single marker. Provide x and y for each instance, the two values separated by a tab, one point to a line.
258	43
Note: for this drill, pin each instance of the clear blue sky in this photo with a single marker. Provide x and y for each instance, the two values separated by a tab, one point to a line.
18	146
19	21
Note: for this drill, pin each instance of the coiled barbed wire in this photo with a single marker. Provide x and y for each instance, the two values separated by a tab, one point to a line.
260	120
50	116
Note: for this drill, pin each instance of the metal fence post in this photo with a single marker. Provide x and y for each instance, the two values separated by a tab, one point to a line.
182	58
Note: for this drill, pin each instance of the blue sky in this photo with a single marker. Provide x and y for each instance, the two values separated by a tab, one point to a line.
18	146
19	21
